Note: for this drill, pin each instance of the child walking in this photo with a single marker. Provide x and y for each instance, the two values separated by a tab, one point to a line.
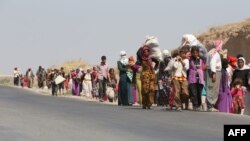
238	92
196	78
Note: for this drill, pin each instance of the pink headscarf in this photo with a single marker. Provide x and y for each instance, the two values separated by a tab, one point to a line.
217	46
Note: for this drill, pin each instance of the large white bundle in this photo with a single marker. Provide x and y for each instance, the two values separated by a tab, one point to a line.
155	51
152	41
190	38
110	92
59	79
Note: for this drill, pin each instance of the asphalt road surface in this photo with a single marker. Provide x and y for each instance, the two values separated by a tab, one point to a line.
28	116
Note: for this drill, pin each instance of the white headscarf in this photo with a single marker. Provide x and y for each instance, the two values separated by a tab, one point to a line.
165	53
244	66
123	59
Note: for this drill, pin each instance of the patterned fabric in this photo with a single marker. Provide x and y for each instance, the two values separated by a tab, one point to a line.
148	80
148	84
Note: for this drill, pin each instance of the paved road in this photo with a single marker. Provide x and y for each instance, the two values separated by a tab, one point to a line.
28	116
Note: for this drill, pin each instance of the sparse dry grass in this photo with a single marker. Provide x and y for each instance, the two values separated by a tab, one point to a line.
73	64
6	80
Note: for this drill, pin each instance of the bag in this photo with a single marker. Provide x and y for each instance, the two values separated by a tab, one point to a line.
110	92
59	79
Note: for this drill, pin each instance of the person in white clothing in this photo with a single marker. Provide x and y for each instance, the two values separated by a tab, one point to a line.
213	75
87	84
16	74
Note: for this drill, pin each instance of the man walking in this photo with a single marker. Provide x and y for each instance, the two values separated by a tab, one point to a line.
102	73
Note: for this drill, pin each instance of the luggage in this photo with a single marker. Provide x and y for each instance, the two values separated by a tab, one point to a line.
59	79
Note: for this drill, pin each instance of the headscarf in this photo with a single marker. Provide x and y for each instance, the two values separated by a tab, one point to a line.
232	61
147	58
166	56
123	59
244	66
165	53
224	73
217	46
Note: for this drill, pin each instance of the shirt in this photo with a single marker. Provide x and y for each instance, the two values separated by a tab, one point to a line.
214	62
196	74
237	92
16	73
102	71
179	69
87	77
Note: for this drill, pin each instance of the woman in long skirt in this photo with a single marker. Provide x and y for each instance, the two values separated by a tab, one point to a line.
147	79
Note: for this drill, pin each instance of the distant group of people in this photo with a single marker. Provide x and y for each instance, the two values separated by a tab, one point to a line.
209	80
99	82
44	78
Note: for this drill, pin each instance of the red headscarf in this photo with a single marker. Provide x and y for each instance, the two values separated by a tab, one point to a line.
147	57
232	61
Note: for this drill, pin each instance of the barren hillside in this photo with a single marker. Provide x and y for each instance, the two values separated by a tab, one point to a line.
69	65
236	38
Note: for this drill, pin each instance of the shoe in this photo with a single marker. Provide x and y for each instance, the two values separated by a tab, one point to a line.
213	110
168	107
179	109
184	106
242	112
197	109
204	107
144	107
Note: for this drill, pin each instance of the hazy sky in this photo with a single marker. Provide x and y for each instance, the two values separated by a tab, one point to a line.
48	32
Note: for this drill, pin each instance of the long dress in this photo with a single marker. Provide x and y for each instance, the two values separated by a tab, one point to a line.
75	84
224	103
165	77
122	86
148	85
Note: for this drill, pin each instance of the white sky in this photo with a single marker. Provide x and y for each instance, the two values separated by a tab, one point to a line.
48	32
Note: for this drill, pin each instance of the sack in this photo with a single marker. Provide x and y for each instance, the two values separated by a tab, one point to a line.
59	79
152	41
110	92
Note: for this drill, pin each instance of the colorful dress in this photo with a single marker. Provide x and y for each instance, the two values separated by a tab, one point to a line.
147	80
238	99
224	103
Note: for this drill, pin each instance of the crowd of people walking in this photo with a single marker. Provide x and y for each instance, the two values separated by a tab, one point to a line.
188	78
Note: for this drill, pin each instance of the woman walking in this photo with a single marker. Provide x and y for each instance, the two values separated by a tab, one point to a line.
147	79
122	90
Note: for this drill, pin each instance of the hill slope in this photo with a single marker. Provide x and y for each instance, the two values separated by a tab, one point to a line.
236	38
